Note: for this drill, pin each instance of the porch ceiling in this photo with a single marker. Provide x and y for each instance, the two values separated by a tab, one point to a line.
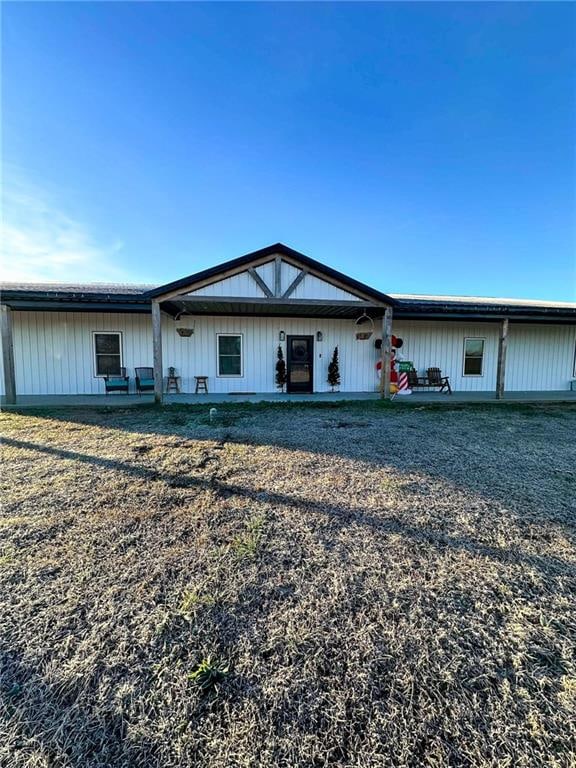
271	307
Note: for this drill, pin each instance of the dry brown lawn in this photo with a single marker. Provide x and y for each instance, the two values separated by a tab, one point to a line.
371	587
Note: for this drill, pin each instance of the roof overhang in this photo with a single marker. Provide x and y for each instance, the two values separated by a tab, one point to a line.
74	301
460	310
253	307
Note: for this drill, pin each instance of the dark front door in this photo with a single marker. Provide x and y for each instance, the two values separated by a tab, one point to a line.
300	361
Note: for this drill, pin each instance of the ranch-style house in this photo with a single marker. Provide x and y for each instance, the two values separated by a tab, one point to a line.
220	330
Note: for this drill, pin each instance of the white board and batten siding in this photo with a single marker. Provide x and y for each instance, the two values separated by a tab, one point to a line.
441	345
197	354
314	288
54	351
539	357
244	285
238	285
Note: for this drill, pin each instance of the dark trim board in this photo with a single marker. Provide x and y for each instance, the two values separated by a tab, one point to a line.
77	306
360	305
484	317
268	310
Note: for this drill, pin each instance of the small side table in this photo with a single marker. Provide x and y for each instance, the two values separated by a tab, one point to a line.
173	384
201	384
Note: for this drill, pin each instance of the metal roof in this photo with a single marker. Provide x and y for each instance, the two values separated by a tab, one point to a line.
484	300
94	297
130	297
79	288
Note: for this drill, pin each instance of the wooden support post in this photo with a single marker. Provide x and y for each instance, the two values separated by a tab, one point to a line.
501	371
157	346
8	355
386	352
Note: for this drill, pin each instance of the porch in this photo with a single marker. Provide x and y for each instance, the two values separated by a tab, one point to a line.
419	398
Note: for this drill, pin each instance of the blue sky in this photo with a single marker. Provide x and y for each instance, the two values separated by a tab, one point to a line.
419	147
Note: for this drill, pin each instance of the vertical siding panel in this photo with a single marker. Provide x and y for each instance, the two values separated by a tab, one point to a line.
20	352
41	324
540	357
18	329
54	351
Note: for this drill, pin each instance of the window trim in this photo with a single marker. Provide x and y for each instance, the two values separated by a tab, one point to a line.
230	375
474	375
95	357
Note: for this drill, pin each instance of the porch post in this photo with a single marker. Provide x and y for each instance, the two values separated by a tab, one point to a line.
386	353
157	346
8	354
501	370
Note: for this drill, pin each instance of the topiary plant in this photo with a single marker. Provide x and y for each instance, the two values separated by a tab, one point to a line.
334	370
280	370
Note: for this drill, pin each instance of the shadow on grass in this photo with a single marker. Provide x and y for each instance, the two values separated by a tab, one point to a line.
75	715
516	454
341	515
86	726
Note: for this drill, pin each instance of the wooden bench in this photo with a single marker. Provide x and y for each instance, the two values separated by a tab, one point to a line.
433	379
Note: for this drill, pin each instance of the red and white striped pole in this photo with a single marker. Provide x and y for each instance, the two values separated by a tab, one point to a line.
403	384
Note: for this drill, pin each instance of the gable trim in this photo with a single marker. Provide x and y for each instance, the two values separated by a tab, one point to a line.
262	256
260	283
295	283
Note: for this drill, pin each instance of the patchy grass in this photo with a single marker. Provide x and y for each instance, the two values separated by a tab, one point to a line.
192	601
247	543
349	585
208	674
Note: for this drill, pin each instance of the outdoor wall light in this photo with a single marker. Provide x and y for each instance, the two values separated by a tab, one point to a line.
319	336
281	336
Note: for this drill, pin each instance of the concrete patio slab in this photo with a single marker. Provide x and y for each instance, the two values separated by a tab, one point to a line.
124	401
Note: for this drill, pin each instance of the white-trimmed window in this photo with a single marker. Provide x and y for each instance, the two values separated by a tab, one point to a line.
473	357
230	361
107	353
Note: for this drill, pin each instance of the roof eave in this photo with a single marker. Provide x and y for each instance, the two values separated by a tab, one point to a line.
481	311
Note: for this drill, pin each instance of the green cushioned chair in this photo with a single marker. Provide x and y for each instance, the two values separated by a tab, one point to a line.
119	383
144	380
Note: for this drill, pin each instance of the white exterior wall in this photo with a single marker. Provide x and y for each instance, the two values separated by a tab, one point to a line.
238	285
441	345
539	357
197	354
314	288
243	284
54	352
